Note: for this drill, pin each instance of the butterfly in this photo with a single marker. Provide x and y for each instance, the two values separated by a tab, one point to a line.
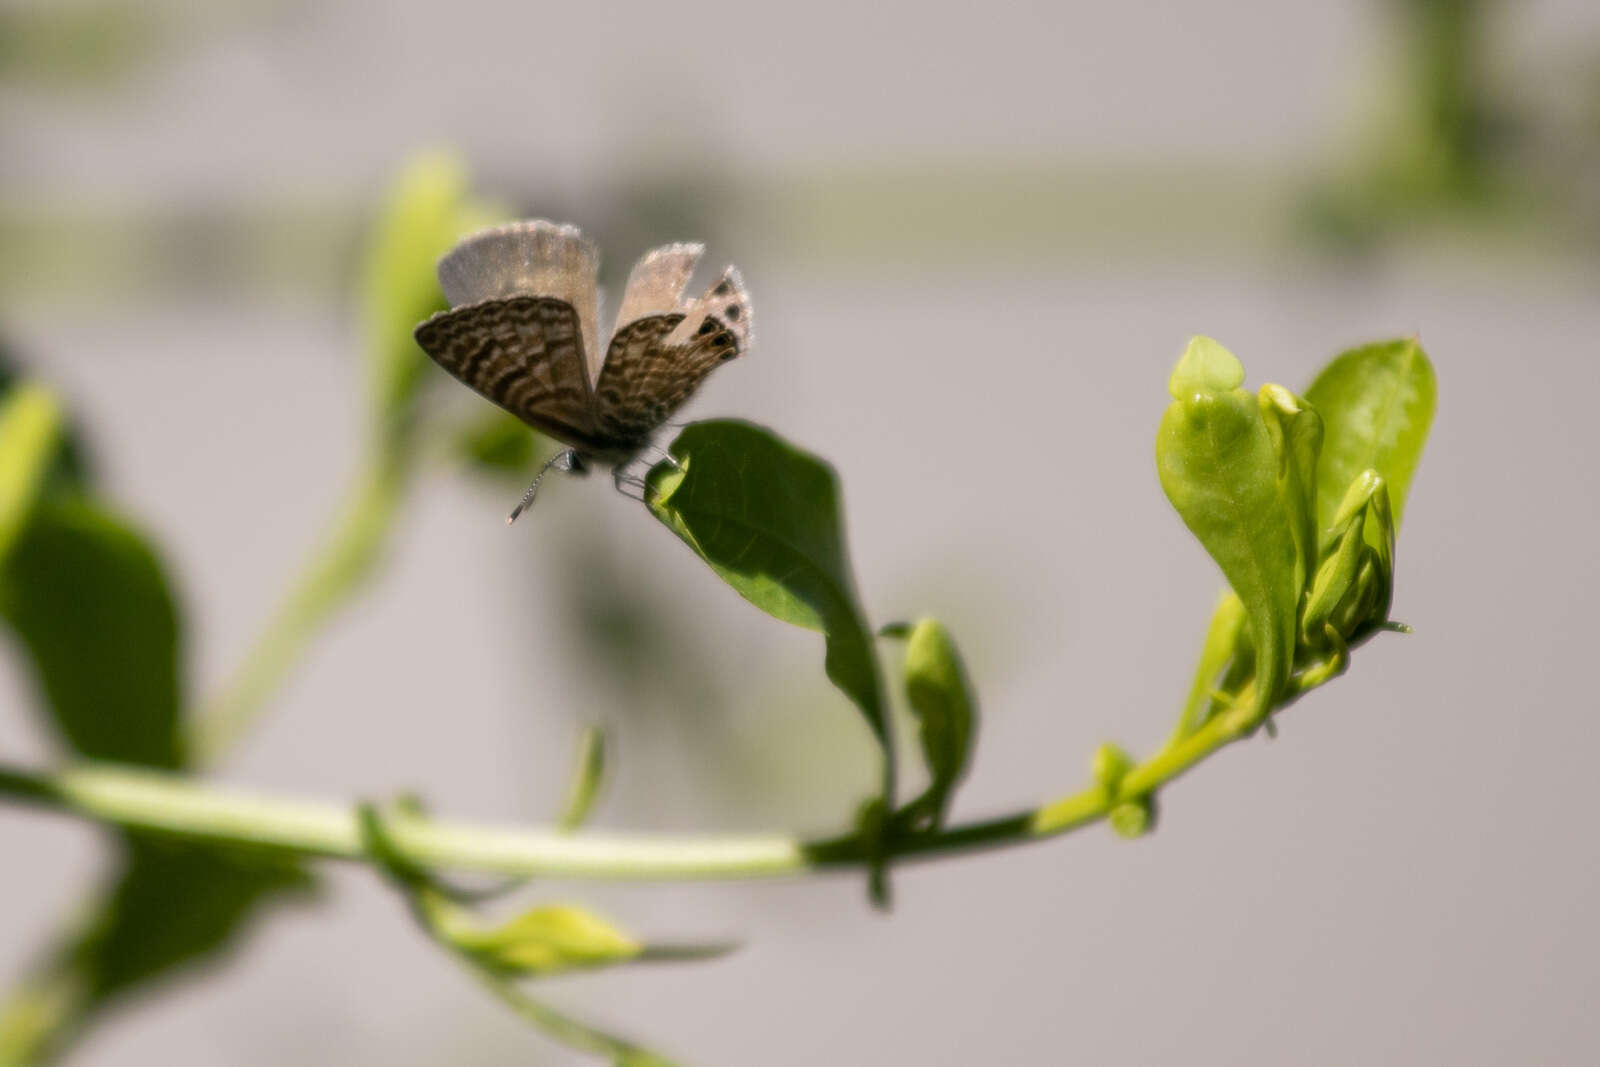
522	331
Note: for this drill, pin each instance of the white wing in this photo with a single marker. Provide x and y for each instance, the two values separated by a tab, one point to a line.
655	285
727	301
530	258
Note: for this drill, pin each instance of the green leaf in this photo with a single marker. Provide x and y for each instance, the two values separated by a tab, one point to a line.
945	709
497	442
91	604
90	600
1377	403
766	517
1296	432
546	940
424	213
69	467
176	904
589	770
1205	367
30	434
1220	648
1218	467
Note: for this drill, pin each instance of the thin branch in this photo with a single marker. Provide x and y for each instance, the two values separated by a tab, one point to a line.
146	800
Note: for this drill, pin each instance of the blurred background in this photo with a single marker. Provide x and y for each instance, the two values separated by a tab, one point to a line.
976	238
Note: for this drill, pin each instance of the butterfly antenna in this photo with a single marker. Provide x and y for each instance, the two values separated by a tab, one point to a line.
565	460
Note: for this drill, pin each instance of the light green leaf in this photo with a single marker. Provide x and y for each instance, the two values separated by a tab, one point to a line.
497	442
766	517
425	212
91	602
1220	648
945	708
30	429
1296	432
546	940
1218	467
589	770
1377	403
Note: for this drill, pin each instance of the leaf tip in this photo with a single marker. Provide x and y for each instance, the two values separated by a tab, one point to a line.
1205	367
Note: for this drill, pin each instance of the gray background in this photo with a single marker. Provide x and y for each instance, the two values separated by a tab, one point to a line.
1406	876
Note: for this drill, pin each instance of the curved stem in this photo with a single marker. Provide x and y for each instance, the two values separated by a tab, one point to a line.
335	572
147	800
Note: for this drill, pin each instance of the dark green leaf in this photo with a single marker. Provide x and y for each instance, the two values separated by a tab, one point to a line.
1218	466
91	603
766	517
177	904
90	600
1377	404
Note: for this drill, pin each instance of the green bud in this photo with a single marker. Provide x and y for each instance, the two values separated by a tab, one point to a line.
1111	765
1134	818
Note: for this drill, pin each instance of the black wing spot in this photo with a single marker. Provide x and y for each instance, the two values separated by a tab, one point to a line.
706	327
734	310
724	339
722	289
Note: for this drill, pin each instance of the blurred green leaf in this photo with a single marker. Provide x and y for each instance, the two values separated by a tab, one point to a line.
945	708
90	600
589	770
176	904
91	603
30	428
1377	403
498	442
766	517
1218	467
543	941
425	212
69	464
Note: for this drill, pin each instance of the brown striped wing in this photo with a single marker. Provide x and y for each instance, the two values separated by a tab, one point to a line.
525	353
645	379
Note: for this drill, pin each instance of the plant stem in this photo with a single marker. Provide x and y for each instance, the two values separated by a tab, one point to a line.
147	800
347	558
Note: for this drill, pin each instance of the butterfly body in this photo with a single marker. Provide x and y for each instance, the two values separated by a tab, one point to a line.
521	332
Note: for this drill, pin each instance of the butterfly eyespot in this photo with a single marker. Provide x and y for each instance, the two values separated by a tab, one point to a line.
733	312
706	327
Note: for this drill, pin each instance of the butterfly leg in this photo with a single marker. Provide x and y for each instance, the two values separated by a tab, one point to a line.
667	457
567	459
624	480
